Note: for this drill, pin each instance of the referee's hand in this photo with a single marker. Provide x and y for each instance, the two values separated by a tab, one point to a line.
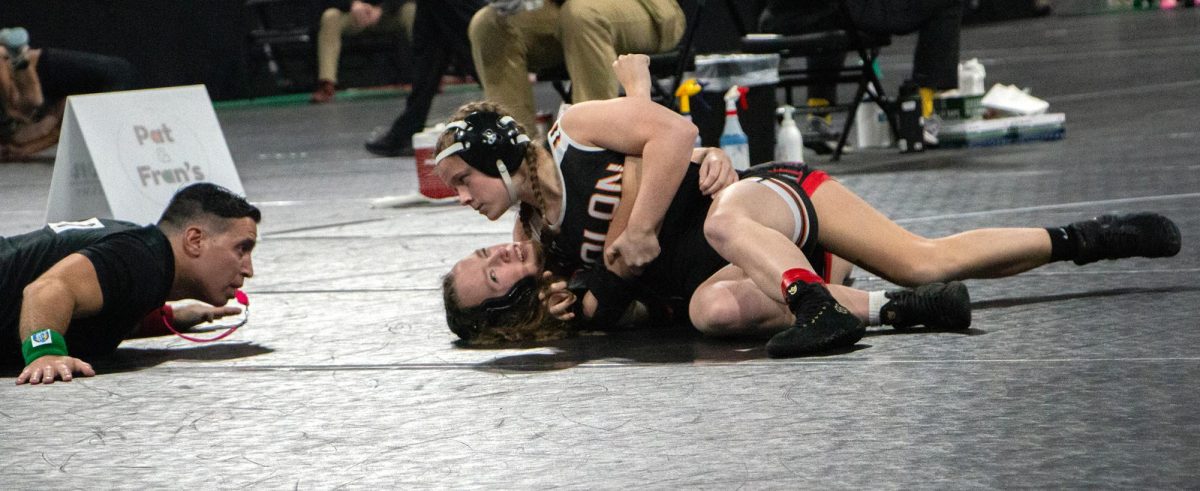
46	369
189	315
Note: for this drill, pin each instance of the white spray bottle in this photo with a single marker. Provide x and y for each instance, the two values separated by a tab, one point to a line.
789	143
733	139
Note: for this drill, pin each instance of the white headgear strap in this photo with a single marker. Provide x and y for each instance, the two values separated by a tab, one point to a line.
455	147
508	184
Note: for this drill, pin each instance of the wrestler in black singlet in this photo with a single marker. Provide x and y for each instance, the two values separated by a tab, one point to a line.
591	193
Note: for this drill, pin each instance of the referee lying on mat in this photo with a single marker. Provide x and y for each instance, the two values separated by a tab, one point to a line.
75	290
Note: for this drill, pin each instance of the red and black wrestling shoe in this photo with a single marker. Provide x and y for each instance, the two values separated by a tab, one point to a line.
822	324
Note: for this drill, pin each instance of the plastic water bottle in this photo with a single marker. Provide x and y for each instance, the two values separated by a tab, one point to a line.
16	40
871	125
971	76
789	143
733	139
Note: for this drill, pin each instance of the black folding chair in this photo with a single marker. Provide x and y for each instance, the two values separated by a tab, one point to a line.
859	70
276	23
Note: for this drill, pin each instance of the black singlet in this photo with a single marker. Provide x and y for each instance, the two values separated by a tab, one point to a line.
591	193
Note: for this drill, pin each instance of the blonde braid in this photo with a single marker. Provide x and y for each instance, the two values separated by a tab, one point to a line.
543	234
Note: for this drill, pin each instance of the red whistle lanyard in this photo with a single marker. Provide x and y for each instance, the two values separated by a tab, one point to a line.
240	297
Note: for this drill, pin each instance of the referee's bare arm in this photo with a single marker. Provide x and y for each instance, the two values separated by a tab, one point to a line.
66	291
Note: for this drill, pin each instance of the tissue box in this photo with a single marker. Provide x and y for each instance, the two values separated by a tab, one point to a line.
717	73
958	107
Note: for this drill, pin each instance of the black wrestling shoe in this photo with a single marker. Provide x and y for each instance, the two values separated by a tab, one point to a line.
1121	236
387	144
936	305
821	324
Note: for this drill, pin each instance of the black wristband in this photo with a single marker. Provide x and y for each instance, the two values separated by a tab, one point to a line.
613	295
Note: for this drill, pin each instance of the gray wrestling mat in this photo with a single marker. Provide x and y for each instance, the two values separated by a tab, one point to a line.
346	376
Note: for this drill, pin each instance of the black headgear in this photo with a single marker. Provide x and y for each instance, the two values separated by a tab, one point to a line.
487	141
494	311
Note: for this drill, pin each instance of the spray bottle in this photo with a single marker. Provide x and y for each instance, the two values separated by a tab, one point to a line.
733	139
789	143
684	93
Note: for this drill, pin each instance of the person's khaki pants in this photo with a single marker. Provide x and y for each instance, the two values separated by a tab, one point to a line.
335	24
585	35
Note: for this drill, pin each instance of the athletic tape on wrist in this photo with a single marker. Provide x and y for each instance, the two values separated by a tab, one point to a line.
613	294
43	343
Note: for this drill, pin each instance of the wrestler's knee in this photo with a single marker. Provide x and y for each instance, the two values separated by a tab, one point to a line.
715	311
720	228
331	16
486	29
583	16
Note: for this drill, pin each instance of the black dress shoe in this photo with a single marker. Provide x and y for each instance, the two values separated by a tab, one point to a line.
389	145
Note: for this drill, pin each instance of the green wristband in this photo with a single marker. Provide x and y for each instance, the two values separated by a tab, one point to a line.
42	343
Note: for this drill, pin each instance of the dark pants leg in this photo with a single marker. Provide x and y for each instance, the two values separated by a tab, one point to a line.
937	24
67	72
825	79
439	36
935	63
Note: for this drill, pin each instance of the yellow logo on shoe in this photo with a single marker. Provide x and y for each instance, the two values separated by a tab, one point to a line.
792	289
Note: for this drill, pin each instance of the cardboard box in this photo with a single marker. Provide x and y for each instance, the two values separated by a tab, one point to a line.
958	108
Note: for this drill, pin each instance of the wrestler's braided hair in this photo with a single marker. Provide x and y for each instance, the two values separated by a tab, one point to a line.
528	320
525	214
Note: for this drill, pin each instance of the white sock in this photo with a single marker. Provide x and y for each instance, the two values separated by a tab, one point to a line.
875	301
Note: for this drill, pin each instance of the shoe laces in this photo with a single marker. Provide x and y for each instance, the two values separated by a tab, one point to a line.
1123	239
1114	237
901	304
911	307
811	302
